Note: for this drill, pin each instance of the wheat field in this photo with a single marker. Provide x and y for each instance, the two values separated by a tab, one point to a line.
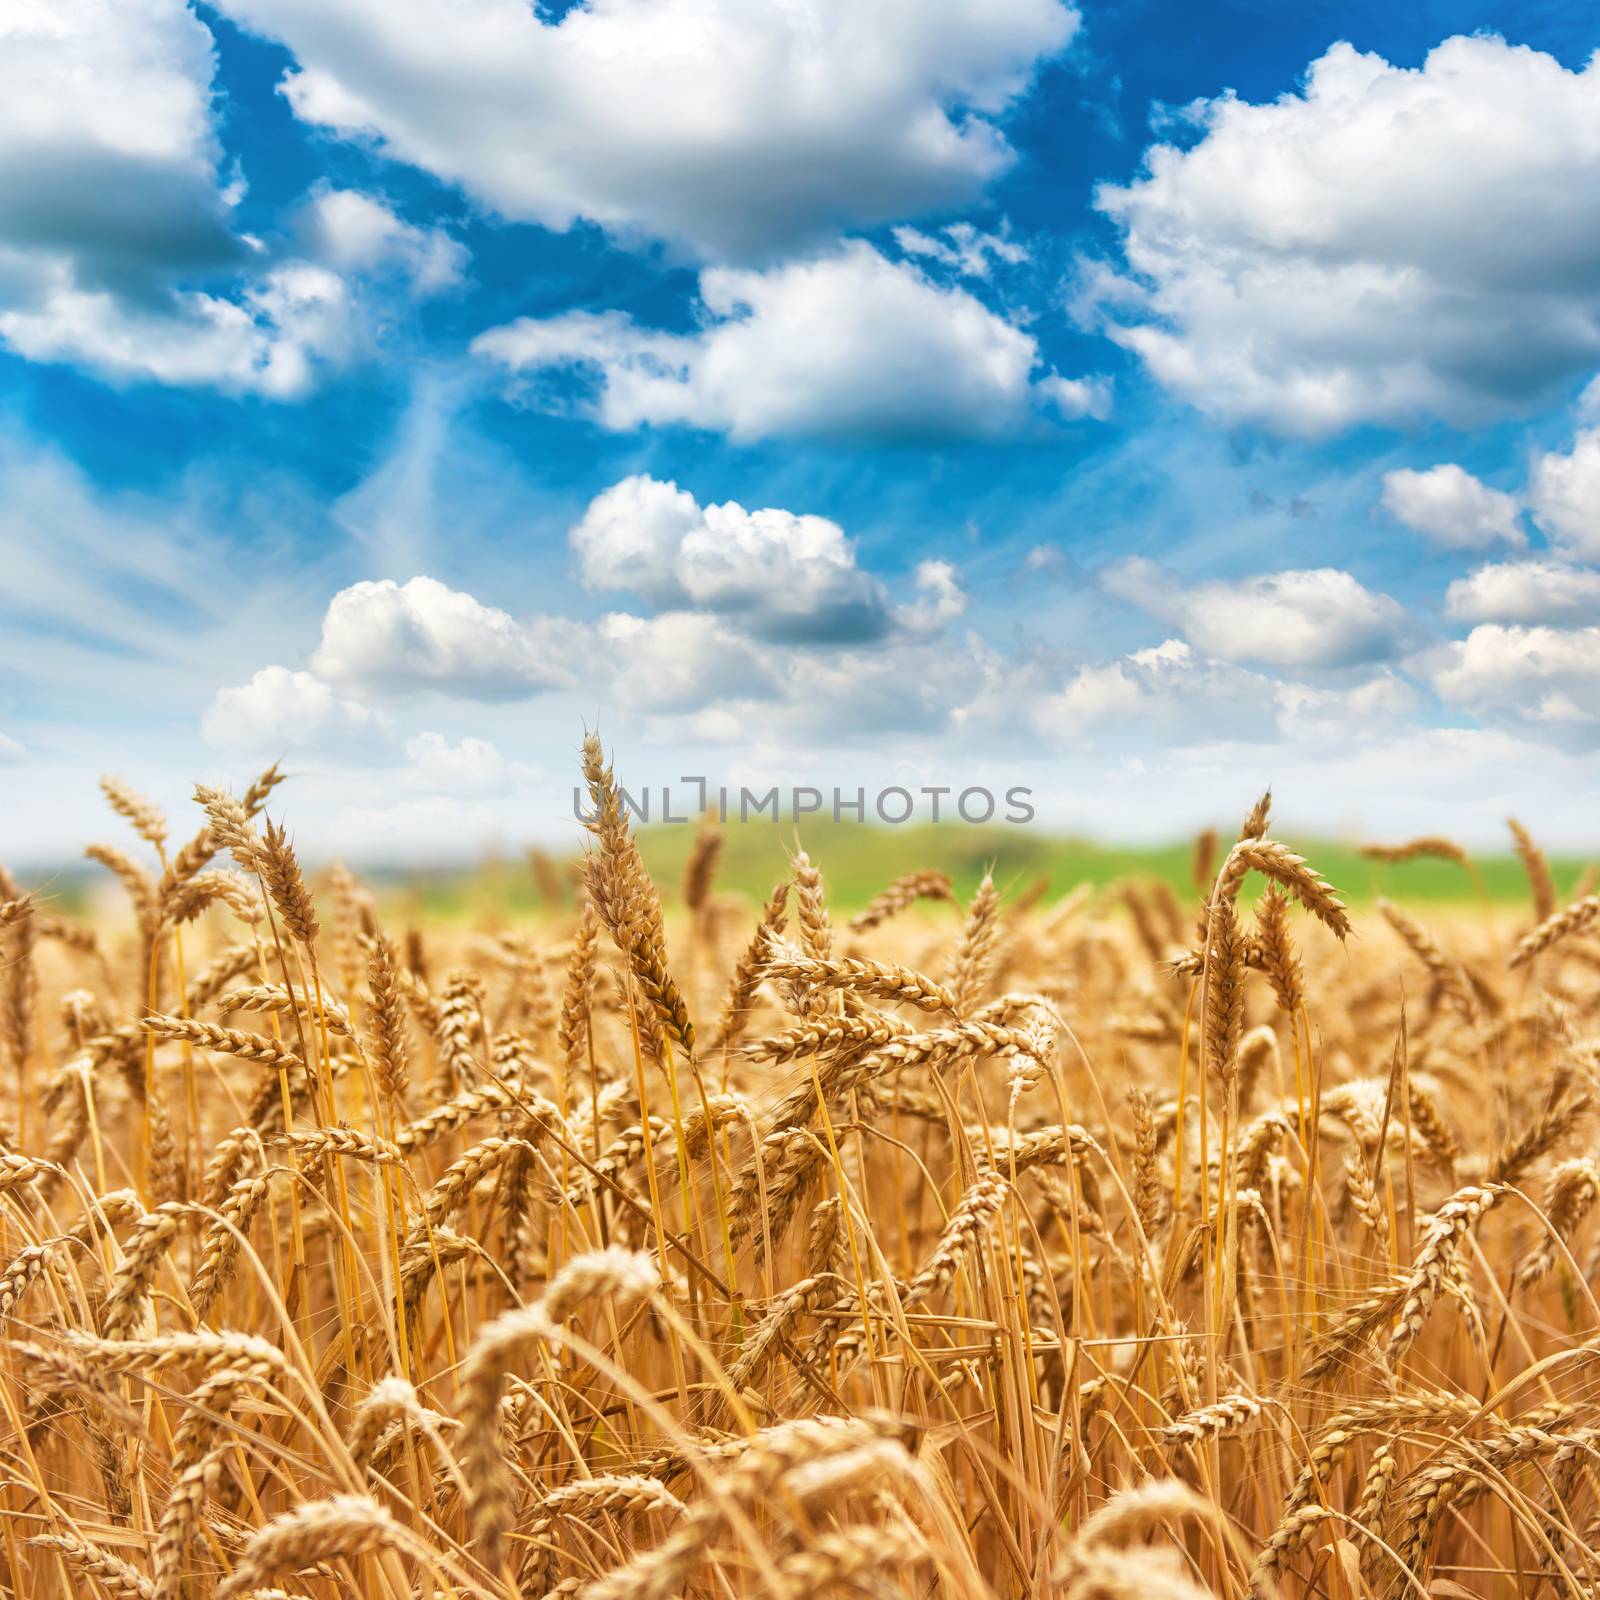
1107	1247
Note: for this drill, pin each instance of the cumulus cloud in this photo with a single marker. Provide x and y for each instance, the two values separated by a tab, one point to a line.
113	212
695	678
1564	491
1542	677
392	639
778	575
353	232
118	250
1525	591
1172	697
680	662
914	686
280	709
107	153
847	344
270	341
630	537
745	603
1312	712
1169	688
729	129
1452	509
1267	280
746	600
1319	618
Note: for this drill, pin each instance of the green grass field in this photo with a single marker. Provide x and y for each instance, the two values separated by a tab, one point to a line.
859	860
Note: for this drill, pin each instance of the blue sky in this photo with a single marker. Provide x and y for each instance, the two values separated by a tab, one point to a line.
1001	392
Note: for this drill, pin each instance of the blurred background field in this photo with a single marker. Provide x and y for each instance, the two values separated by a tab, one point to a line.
860	860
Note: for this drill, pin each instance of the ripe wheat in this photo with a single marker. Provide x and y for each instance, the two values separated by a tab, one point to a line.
675	1245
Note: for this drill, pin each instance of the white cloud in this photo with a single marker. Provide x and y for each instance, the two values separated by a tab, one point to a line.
471	767
107	153
1525	591
765	616
1308	712
12	753
778	575
732	129
1453	509
112	210
630	537
386	638
1317	618
745	601
1154	703
680	662
279	710
697	679
967	249
270	342
118	250
1169	686
1564	491
1384	244
941	598
915	686
844	345
1118	688
1542	677
1076	397
1158	706
353	232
